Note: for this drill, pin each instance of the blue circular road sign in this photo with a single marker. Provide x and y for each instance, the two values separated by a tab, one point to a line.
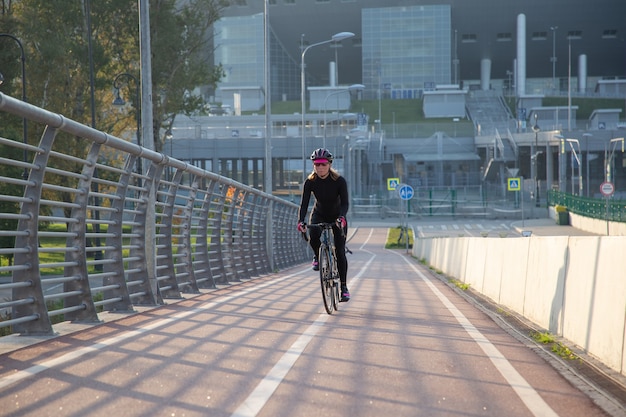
406	192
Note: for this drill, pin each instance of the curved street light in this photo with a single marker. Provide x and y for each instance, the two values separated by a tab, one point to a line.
576	156
119	101
337	37
24	121
608	160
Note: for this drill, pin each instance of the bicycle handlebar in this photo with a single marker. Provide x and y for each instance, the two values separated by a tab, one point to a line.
327	225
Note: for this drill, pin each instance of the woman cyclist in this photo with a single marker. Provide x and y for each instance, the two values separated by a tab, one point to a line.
331	206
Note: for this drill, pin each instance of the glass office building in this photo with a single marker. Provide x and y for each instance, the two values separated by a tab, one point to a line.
240	49
406	49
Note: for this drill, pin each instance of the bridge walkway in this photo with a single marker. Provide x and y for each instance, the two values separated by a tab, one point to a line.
407	344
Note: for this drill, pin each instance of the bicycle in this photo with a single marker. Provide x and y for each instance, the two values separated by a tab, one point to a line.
329	274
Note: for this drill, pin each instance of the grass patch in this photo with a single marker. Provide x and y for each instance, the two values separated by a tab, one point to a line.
411	111
557	348
397	241
460	285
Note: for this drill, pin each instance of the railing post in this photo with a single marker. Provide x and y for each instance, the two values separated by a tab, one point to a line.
79	240
164	256
29	224
115	240
430	201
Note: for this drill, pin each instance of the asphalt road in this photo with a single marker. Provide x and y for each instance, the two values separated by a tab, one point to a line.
407	344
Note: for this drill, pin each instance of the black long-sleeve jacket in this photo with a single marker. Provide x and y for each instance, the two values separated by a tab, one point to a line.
331	199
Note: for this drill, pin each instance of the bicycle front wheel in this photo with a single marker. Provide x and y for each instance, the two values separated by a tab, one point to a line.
326	278
336	284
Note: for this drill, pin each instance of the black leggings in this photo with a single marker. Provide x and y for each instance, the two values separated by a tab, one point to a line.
315	232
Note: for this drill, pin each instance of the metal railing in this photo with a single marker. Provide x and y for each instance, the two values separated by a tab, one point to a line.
610	209
83	230
487	200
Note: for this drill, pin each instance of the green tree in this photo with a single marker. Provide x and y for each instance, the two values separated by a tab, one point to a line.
56	37
182	44
6	188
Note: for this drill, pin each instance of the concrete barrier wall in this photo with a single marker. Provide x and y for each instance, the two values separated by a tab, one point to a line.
588	224
597	226
572	286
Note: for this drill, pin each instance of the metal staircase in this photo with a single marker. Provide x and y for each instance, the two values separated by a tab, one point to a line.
492	118
500	155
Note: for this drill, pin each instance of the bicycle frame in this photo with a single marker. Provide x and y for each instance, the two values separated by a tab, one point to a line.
329	274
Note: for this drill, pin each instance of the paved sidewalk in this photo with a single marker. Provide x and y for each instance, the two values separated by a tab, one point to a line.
538	227
548	227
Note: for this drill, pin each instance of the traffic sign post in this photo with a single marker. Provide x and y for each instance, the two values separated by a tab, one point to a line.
406	193
393	183
607	189
515	184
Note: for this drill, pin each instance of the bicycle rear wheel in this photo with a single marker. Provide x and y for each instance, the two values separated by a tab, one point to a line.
326	279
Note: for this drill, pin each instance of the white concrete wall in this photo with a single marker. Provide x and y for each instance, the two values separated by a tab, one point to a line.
573	286
599	226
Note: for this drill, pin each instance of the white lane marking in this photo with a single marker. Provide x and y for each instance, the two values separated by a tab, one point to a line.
34	370
533	401
265	389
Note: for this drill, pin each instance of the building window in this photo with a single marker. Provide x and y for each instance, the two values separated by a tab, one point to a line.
469	38
539	36
504	37
609	34
575	34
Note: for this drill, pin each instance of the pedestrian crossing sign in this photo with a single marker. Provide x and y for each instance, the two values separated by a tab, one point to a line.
393	183
514	184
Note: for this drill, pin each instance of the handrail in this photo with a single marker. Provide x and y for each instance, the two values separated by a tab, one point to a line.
96	210
610	209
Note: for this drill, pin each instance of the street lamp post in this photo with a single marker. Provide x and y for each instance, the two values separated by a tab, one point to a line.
576	156
119	101
24	121
335	38
353	87
609	160
268	183
569	83
553	57
587	136
536	129
562	167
